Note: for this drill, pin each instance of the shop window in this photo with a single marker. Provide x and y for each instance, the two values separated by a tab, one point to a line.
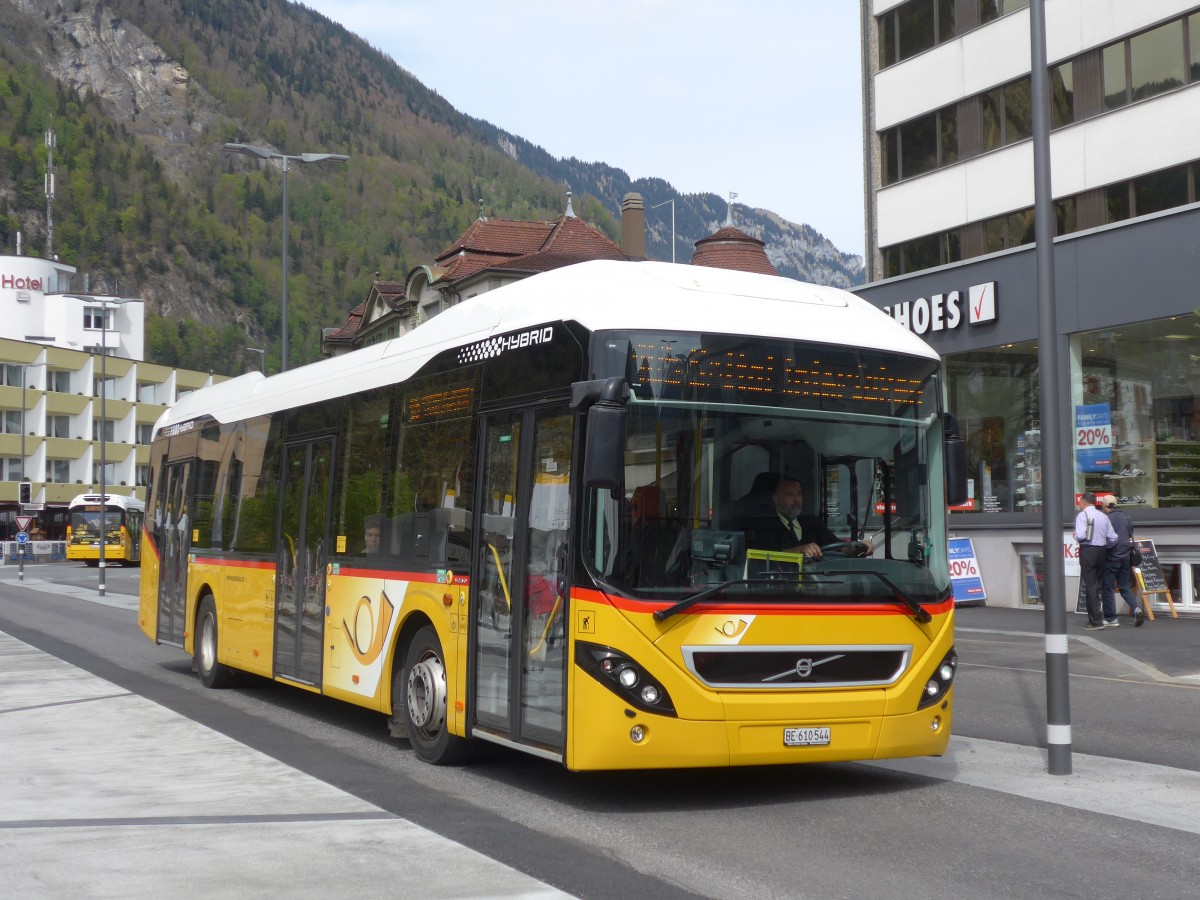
1033	578
1144	379
1156	61
1160	190
994	393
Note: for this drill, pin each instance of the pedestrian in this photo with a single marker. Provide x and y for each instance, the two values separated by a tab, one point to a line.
1116	568
1095	535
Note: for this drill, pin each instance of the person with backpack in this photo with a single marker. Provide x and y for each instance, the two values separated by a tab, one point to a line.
1117	568
1094	534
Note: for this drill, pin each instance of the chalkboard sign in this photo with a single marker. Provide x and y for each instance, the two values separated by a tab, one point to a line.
1152	574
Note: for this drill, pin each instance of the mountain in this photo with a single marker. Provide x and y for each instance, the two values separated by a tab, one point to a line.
142	94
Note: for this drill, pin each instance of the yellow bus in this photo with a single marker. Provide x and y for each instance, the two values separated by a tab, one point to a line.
123	514
544	519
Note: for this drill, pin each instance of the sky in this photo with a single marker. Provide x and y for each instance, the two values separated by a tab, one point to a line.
761	98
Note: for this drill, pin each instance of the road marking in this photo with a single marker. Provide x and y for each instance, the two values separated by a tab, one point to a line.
1140	792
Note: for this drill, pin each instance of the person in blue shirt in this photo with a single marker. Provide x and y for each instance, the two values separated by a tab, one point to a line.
1116	568
1094	534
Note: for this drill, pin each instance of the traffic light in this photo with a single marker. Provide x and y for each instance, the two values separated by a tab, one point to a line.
26	492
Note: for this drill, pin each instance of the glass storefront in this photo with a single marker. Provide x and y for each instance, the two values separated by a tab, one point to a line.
994	393
1134	417
1140	382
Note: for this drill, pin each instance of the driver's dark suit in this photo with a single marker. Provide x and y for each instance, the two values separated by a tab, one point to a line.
770	533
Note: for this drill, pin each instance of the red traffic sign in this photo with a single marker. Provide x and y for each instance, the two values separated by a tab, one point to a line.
23	522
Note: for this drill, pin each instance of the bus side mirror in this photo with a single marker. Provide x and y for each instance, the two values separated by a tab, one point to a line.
956	462
604	446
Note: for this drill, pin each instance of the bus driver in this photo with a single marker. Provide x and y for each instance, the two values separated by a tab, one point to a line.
791	531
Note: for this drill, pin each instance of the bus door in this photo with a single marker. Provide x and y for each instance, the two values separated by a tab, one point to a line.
519	578
133	527
301	554
173	518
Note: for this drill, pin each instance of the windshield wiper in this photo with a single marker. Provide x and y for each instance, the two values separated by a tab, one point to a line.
661	615
919	612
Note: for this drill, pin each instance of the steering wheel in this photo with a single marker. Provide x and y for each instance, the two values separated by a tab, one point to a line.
846	548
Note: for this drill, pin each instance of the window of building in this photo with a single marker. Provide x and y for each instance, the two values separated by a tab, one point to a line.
1193	30
58	380
1144	379
11	468
145	432
143	476
58	470
59	426
145	392
97	317
1116	82
994	393
1018	112
12	421
10	375
1156	63
110	472
103	430
916	30
1160	190
1062	95
914	27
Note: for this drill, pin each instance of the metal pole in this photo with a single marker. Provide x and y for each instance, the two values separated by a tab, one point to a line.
283	364
21	547
1058	694
103	394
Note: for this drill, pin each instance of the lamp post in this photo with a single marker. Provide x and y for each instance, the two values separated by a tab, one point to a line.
263	354
664	203
24	379
264	153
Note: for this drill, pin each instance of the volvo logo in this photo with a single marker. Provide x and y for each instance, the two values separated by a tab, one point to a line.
805	666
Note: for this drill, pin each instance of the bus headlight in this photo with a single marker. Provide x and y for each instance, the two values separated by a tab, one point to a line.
941	679
625	677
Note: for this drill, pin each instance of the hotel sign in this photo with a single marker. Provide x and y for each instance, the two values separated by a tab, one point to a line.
19	282
945	312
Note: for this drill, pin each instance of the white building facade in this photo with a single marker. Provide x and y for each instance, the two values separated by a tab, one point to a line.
61	400
950	194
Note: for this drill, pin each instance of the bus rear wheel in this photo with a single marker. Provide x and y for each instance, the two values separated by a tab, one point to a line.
212	673
419	696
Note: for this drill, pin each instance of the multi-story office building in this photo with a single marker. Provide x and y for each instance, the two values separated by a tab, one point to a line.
59	400
950	195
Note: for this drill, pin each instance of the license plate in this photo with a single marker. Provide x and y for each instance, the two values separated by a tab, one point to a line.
805	737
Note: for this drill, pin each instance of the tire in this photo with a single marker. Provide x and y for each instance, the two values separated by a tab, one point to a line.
212	673
92	563
419	701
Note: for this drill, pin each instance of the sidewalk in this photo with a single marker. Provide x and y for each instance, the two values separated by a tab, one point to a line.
1166	649
93	803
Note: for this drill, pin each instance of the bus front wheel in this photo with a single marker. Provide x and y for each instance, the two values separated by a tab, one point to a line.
421	700
212	673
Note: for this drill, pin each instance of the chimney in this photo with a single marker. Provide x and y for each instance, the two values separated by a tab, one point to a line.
633	226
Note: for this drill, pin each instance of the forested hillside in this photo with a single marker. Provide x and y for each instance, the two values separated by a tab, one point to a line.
143	93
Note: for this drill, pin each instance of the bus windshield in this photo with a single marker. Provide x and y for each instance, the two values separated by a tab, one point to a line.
742	453
85	523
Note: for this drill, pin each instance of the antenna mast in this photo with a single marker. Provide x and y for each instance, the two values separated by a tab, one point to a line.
50	144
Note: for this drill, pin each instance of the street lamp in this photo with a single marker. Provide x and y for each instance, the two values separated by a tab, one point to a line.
263	354
264	153
664	203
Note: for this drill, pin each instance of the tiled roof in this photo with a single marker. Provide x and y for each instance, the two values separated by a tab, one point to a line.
346	333
732	248
544	246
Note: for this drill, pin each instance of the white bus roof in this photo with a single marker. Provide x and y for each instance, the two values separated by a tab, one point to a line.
600	295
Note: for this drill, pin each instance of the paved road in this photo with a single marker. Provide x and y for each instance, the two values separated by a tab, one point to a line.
985	821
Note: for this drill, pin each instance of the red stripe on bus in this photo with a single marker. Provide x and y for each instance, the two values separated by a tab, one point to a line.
148	541
392	574
235	563
744	606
